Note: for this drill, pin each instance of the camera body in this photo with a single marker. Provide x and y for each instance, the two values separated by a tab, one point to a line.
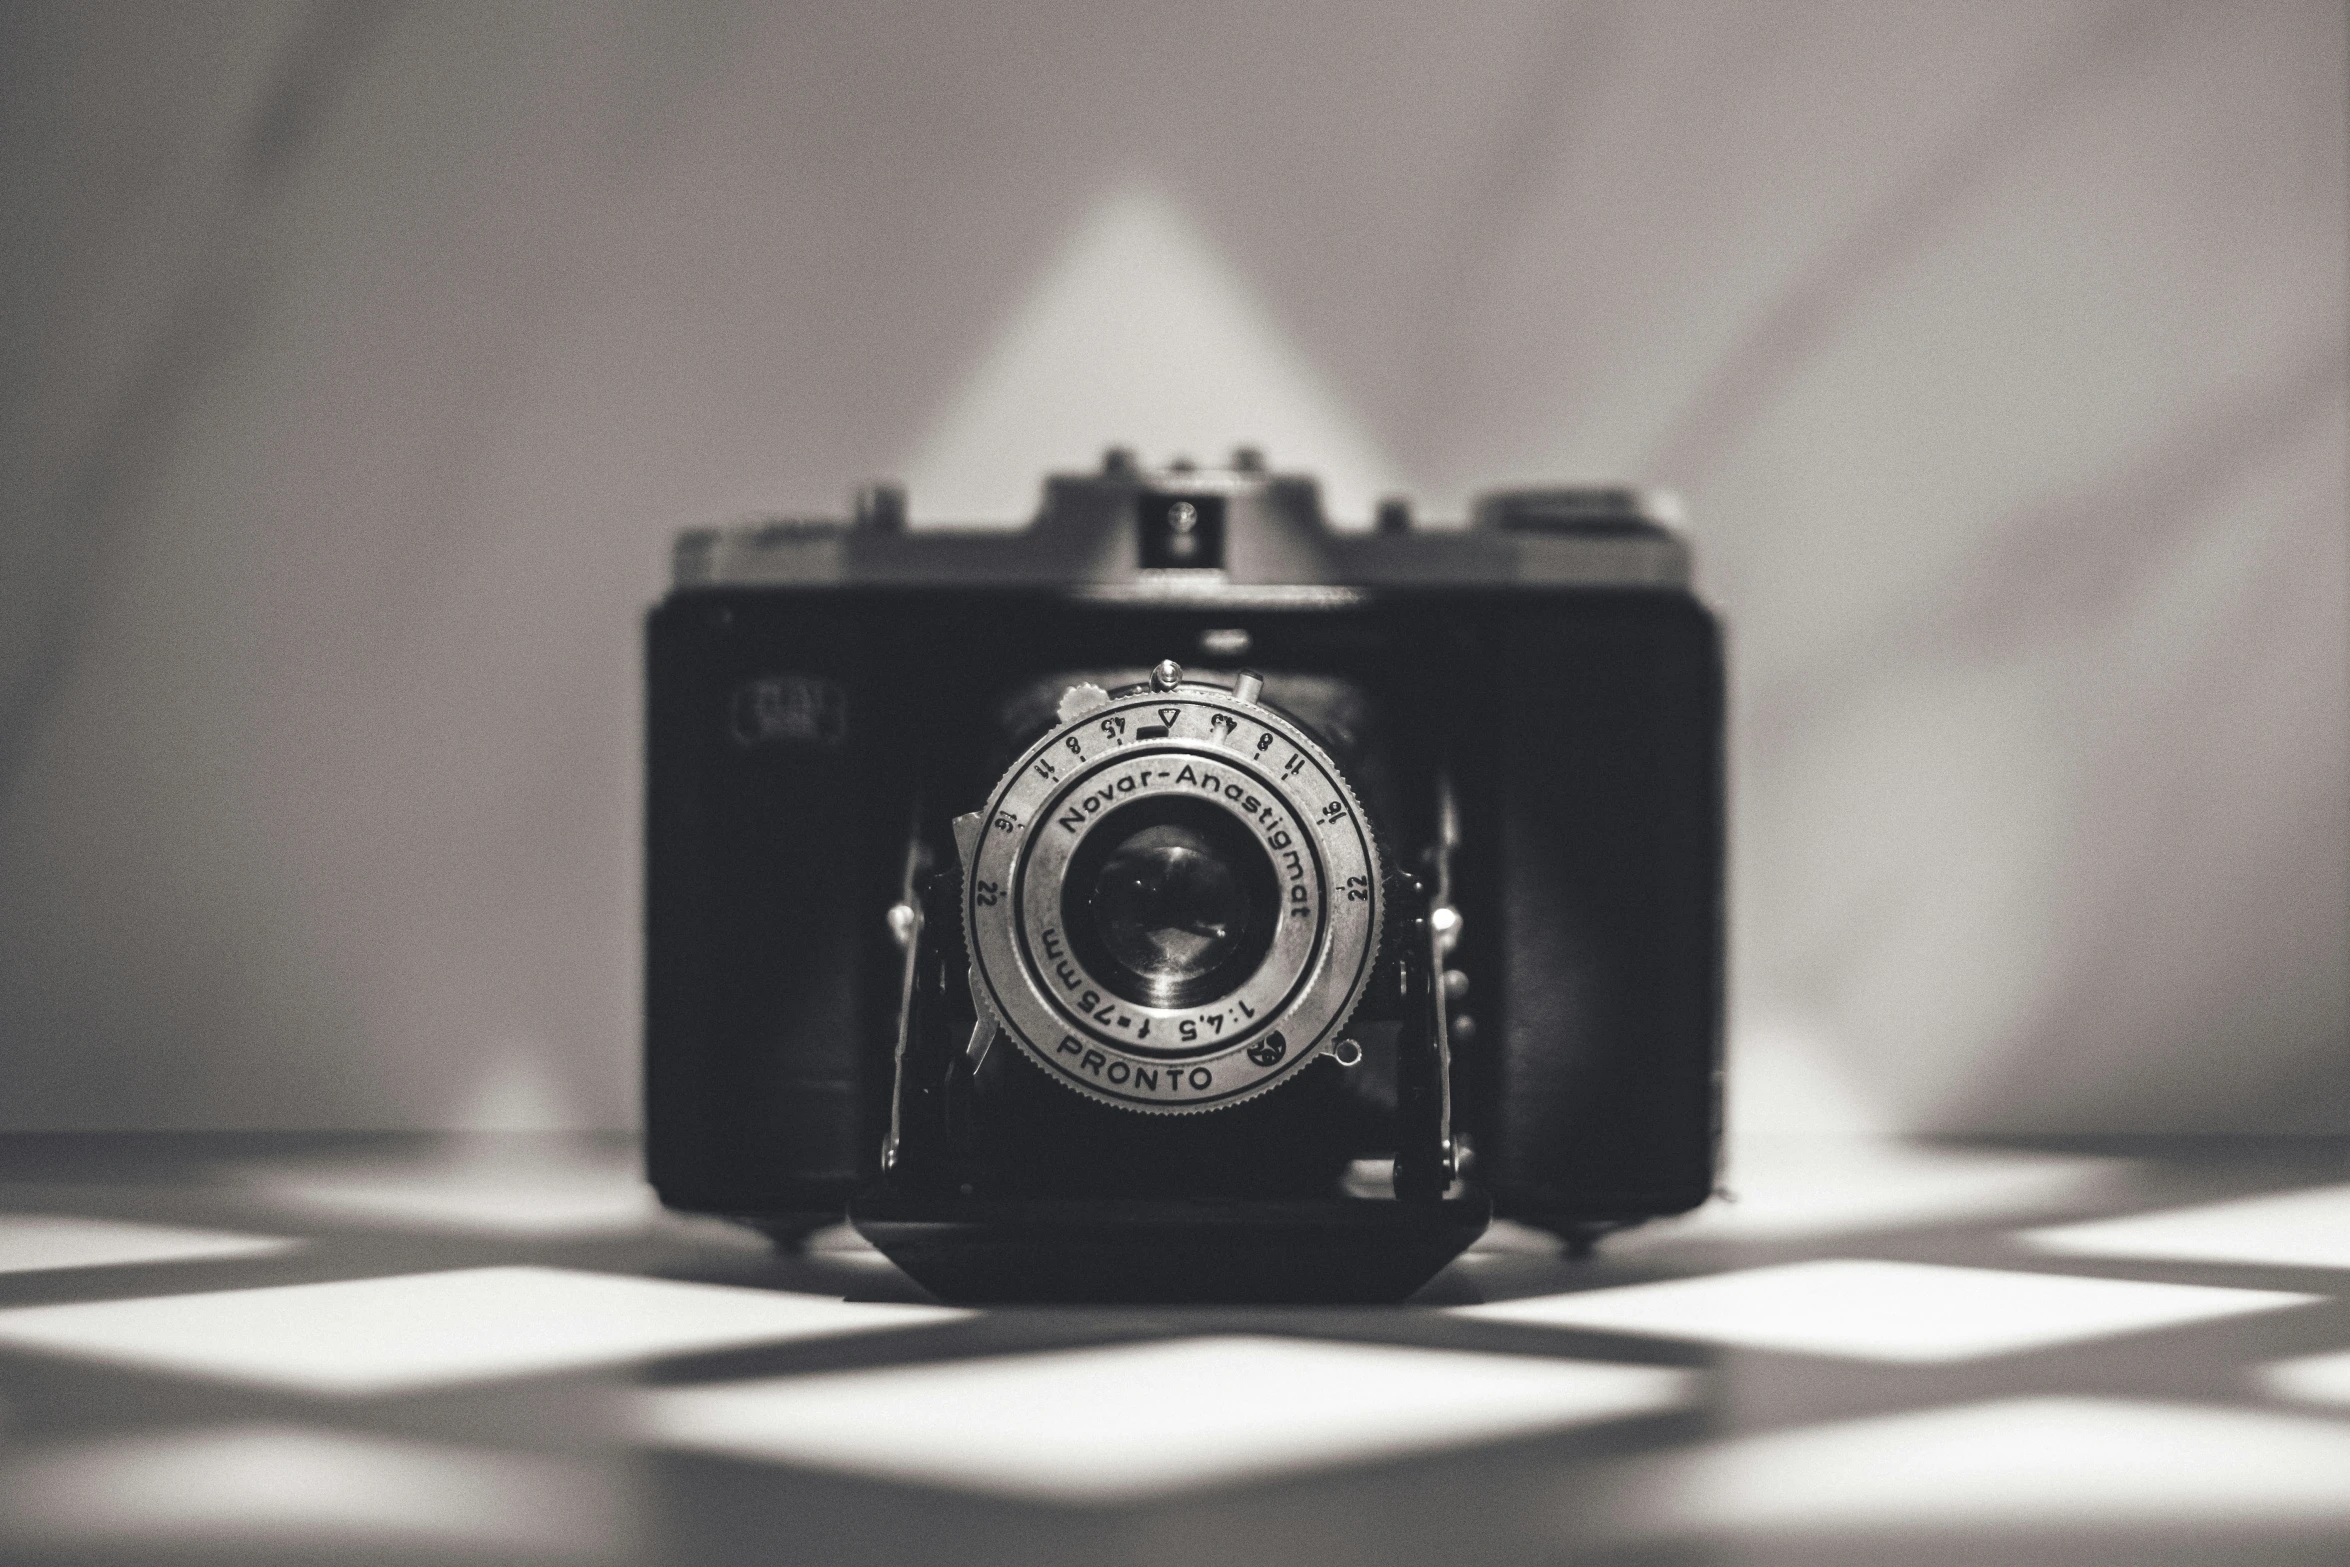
1408	843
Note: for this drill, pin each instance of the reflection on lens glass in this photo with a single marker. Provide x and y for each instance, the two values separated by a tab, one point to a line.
1168	906
1170	902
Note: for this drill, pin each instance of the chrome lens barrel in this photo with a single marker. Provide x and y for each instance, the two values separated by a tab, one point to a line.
1172	901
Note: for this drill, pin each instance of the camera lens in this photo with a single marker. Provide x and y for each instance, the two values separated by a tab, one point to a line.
1172	899
1171	903
1167	906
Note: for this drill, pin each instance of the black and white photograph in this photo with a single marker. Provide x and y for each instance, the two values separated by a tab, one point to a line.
1552	782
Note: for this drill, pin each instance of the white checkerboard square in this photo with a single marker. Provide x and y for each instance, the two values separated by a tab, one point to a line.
1900	1311
2309	1379
2303	1229
1106	1425
2006	1464
329	1495
355	1337
480	1196
37	1242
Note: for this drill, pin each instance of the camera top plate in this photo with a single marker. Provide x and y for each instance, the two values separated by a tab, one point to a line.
1193	747
1238	536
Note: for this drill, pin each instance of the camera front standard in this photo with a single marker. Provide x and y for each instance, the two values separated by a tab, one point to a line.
1172	901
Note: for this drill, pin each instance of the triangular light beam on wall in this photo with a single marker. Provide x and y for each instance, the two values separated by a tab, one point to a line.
1137	335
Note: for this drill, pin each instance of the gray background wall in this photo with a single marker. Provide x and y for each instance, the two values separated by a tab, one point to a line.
357	362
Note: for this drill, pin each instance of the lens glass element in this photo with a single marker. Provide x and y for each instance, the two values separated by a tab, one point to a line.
1171	903
1167	905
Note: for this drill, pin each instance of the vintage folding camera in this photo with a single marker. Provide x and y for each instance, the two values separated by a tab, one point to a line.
1179	898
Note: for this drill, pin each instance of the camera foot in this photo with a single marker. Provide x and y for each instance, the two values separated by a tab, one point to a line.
1579	1240
789	1232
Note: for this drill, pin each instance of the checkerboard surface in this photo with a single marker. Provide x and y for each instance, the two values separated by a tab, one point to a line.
2001	1355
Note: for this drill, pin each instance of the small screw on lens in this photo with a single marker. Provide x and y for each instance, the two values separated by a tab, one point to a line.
1347	1052
1166	675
